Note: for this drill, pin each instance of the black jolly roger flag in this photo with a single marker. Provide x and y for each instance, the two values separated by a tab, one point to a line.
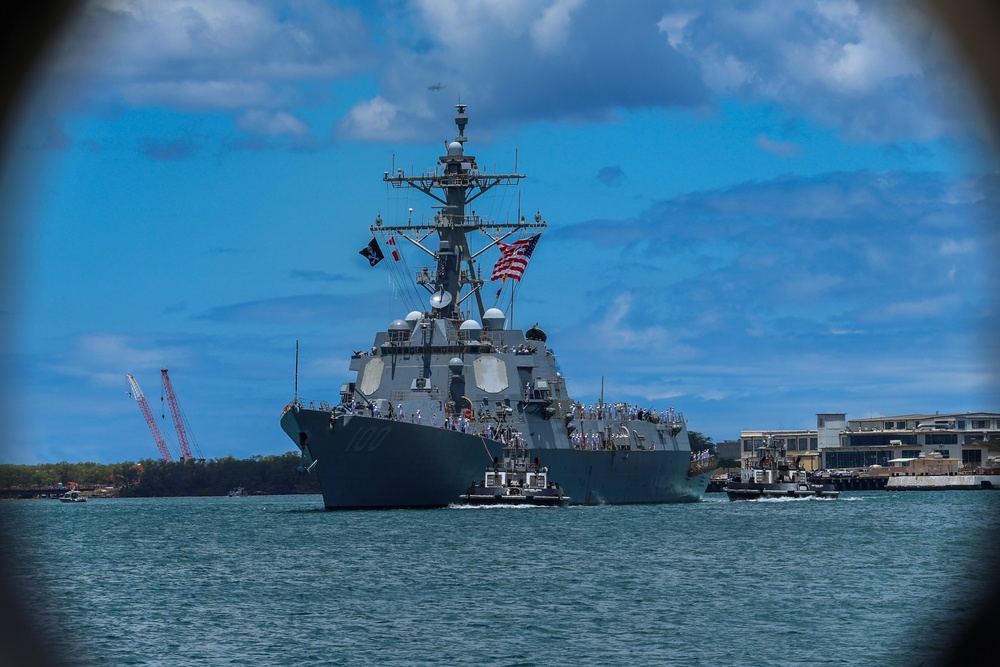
372	252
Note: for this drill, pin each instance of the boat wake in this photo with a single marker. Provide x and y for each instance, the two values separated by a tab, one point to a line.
795	500
461	506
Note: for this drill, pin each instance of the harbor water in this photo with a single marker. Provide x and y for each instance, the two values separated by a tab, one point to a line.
873	578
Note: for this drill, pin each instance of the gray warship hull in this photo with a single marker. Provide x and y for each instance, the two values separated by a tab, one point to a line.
440	393
368	463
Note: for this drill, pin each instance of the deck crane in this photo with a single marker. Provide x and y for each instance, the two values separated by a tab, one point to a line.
175	412
150	420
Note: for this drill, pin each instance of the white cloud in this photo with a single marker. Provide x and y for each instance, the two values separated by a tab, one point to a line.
272	124
372	119
206	55
782	148
877	71
953	247
674	25
104	358
551	31
462	25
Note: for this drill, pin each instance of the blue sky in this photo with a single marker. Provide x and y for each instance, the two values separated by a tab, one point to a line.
757	210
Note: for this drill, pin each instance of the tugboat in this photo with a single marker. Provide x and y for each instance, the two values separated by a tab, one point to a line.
516	480
422	411
772	477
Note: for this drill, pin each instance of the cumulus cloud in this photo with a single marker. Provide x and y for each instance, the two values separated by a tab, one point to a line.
260	61
551	30
876	71
561	61
215	40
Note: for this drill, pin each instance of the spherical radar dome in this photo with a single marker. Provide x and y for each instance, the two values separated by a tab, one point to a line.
494	319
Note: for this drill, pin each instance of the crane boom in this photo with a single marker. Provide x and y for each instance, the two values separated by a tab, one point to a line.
175	412
150	420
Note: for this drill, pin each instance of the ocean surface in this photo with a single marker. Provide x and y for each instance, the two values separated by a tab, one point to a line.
873	578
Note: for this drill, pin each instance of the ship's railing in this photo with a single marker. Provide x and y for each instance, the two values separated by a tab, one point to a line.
298	403
701	466
625	412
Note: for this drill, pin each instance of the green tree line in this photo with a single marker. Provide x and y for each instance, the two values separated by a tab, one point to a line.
274	474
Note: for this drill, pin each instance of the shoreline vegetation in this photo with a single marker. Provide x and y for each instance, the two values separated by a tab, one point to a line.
258	475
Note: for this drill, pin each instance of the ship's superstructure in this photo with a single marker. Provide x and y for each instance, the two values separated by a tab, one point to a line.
440	390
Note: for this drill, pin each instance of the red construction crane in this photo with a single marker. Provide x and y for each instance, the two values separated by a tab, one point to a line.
148	416
175	412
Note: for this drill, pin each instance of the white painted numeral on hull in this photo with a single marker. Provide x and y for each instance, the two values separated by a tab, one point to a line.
368	438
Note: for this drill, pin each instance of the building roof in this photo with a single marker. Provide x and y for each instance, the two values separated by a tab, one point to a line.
925	416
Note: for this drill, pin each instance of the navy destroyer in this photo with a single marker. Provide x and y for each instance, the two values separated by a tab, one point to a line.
441	391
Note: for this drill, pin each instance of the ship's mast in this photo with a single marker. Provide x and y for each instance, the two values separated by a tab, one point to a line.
455	184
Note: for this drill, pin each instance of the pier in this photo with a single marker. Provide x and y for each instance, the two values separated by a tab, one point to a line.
951	482
954	482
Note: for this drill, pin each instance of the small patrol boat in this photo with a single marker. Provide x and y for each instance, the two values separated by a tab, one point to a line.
773	477
73	496
515	479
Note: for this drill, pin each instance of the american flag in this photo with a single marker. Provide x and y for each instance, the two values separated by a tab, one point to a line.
514	258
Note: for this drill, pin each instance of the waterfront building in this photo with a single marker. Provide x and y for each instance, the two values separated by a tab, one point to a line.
839	443
801	445
966	436
728	449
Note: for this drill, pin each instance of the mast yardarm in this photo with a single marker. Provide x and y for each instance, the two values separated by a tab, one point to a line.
456	183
